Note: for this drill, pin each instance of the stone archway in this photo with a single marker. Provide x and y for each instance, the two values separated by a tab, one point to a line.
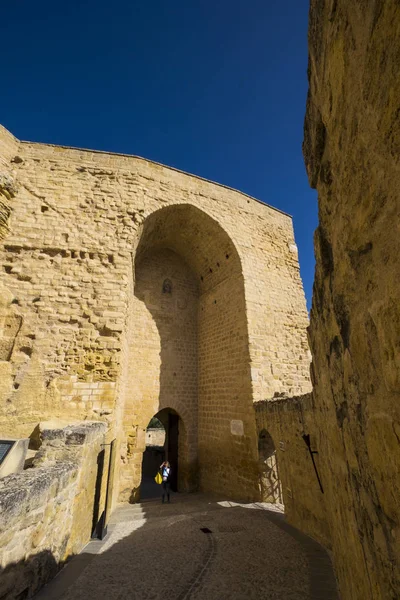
188	350
171	445
270	484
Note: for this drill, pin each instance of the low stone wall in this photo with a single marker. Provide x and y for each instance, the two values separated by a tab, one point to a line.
286	420
155	437
47	512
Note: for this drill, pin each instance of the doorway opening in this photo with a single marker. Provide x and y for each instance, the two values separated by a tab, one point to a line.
188	348
270	484
162	443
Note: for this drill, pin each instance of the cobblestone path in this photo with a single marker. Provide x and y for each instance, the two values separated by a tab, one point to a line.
197	548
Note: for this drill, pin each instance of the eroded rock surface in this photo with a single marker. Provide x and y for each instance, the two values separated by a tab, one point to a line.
351	148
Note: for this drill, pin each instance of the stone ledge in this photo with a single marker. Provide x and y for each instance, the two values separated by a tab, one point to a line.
46	512
28	486
32	483
75	435
285	403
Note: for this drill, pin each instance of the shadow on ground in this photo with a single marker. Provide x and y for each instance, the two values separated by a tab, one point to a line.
19	580
197	547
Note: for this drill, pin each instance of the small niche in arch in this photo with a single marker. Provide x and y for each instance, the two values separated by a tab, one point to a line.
167	286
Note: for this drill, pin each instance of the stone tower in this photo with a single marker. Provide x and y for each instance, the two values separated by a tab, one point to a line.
130	288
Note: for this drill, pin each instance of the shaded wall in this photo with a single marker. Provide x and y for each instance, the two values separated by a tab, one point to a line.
351	149
162	359
228	456
287	420
270	483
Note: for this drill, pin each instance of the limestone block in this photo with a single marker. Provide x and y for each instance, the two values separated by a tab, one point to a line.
46	512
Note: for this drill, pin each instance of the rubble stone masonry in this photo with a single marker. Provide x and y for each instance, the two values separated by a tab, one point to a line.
47	513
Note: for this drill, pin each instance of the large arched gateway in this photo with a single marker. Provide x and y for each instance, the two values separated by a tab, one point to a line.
188	350
129	288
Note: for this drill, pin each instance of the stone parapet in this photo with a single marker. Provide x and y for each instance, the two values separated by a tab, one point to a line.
46	512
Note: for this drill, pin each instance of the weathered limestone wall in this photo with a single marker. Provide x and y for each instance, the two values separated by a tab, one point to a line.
287	420
351	147
228	461
46	512
8	188
85	345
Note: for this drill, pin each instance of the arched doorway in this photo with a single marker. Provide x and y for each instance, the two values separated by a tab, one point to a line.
153	456
188	351
270	485
165	437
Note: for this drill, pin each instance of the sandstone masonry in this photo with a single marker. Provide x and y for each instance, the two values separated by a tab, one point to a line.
352	149
130	287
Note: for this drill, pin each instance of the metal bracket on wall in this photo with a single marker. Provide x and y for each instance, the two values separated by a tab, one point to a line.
306	438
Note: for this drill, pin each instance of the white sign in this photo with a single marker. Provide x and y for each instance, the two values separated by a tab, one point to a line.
237	428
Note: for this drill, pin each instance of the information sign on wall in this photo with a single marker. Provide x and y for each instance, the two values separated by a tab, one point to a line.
5	447
237	427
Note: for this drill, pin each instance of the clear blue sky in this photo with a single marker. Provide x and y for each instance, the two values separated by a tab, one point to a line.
214	88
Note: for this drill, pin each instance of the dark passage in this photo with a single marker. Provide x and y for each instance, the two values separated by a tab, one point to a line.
161	444
173	432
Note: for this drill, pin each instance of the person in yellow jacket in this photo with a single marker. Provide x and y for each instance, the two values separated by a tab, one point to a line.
165	469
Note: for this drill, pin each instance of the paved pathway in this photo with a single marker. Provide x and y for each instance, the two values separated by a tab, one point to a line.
200	549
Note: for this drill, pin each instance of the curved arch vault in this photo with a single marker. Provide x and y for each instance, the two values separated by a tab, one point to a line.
187	349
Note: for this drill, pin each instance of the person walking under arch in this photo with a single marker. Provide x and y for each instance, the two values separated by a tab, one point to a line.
165	469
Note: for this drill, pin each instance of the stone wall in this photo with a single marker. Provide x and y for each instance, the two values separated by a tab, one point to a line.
92	334
8	186
47	512
162	355
155	437
351	147
287	420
